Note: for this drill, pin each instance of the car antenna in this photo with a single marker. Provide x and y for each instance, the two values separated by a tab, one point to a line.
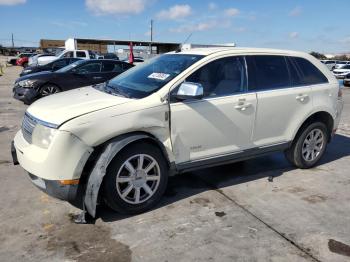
178	50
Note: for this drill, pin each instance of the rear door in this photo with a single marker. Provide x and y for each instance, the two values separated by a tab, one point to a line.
283	100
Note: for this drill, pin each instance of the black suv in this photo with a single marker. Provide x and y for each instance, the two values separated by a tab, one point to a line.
78	74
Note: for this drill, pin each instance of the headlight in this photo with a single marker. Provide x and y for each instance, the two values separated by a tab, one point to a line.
42	135
26	83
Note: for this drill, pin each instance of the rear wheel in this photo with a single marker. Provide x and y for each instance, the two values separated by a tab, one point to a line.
136	179
309	146
49	89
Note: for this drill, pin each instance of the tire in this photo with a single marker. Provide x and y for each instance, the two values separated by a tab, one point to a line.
150	192
305	152
49	89
25	64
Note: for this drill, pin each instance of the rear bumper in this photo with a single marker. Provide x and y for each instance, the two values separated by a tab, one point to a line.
27	95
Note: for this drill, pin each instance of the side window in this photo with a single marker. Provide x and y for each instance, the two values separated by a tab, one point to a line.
81	54
127	66
295	75
268	71
112	67
89	68
311	75
59	64
72	60
222	77
68	54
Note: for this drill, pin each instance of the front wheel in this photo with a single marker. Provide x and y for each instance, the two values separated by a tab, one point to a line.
136	179
49	89
309	146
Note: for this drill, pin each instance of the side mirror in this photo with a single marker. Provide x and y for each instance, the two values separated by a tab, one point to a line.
189	90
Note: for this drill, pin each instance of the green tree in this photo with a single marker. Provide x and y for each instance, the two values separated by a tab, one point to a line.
318	55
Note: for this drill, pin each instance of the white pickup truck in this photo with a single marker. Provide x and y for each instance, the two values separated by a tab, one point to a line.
83	54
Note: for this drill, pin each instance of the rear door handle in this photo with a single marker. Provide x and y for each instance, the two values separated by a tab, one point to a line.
97	77
301	97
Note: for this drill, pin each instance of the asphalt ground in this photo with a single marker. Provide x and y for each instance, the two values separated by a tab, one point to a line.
257	210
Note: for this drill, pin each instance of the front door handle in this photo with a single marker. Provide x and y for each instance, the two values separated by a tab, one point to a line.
97	77
243	106
301	97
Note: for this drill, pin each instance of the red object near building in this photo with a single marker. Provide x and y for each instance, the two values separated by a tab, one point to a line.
22	61
131	54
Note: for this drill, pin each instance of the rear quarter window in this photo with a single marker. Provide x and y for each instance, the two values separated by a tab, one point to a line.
267	72
309	73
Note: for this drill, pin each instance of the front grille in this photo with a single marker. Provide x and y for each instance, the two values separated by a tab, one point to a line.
28	125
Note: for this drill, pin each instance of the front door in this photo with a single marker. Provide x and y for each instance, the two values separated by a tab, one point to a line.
221	123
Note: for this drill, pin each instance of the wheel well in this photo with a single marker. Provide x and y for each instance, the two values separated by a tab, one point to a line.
323	117
100	148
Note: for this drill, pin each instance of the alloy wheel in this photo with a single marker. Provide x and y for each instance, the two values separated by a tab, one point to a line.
49	90
138	179
313	145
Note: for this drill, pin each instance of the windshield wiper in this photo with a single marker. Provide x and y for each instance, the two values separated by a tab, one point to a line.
114	90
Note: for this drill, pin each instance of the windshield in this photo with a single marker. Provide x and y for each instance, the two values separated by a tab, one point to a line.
69	67
143	80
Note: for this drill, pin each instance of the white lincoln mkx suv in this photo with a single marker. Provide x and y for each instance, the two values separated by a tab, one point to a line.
186	110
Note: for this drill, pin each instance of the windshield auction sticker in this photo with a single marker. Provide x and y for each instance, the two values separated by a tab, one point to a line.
159	76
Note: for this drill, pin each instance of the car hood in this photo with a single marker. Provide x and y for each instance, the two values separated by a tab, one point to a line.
59	108
38	75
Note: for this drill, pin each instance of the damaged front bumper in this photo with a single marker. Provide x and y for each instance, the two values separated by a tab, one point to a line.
26	95
72	193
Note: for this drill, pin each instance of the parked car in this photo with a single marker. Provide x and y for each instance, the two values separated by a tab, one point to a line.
82	54
13	60
53	66
78	74
180	112
137	60
340	64
347	80
329	63
342	72
109	56
22	61
33	60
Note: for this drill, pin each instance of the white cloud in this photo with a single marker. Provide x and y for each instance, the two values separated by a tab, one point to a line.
110	7
212	6
296	11
202	26
231	12
293	35
69	24
175	12
12	2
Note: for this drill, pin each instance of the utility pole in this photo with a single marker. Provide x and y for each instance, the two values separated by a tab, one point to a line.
13	43
150	45
152	30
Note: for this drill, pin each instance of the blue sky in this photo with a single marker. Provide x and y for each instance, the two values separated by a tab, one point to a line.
300	25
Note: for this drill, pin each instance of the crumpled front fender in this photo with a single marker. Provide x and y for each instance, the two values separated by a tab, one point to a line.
99	171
